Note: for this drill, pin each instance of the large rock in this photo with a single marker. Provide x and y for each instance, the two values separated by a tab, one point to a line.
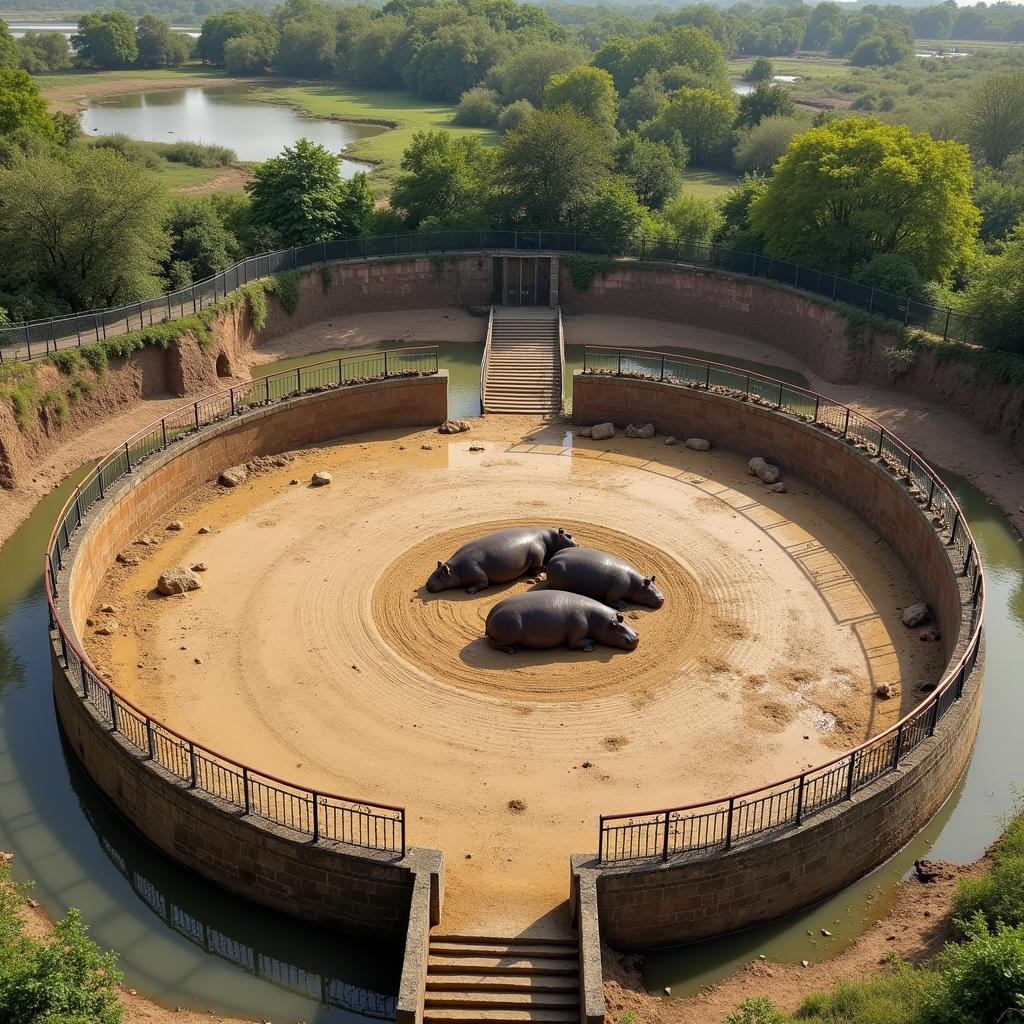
698	444
640	430
321	478
915	615
178	581
764	471
602	431
453	427
233	476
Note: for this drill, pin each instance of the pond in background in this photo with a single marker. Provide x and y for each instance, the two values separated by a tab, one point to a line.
67	29
221	116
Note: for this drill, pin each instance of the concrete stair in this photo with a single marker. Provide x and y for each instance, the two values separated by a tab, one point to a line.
488	980
524	371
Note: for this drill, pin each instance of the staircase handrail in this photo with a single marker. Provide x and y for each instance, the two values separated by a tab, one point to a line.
485	362
561	362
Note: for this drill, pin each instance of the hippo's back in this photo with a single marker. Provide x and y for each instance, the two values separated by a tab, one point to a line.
553	605
589	560
501	541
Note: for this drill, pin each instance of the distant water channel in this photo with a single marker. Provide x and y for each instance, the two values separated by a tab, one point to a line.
188	943
222	116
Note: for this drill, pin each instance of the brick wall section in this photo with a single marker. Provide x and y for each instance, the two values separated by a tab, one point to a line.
646	906
324	881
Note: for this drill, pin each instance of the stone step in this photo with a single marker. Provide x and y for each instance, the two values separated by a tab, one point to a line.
513	965
503	983
500	1016
524	1000
506	940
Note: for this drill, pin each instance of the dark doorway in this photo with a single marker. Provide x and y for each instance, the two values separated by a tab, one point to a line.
523	280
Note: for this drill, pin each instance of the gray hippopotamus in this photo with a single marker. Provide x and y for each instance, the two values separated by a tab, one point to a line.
603	577
500	557
550	618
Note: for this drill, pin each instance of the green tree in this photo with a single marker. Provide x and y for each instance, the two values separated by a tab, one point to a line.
1001	201
764	101
701	118
445	177
643	102
248	55
307	47
824	26
158	46
761	147
589	90
628	60
889	45
85	228
356	206
44	52
896	273
736	231
370	56
23	114
762	70
691	218
199	239
10	54
651	169
994	117
523	75
551	166
219	29
301	196
995	296
856	187
454	59
613	213
515	115
478	108
106	40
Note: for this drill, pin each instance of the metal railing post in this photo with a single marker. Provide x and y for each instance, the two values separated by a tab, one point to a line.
897	749
728	823
113	709
817	402
246	791
316	817
128	456
952	532
149	738
800	800
664	838
850	776
193	766
846	425
600	839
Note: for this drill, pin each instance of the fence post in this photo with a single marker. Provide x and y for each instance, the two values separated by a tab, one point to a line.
149	737
728	823
128	456
945	330
933	717
53	335
316	818
817	402
298	379
707	378
194	310
163	429
113	710
662	368
619	371
846	425
385	364
881	439
849	777
664	838
871	302
193	767
800	800
141	323
897	749
246	792
28	342
266	381
600	839
952	532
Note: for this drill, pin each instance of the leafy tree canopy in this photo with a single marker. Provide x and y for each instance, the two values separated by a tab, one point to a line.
523	75
855	188
651	169
764	101
703	120
23	114
106	40
995	117
589	90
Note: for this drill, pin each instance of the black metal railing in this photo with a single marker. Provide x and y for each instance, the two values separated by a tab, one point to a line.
308	812
35	338
717	825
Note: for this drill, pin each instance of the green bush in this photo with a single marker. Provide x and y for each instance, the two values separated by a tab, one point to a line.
286	285
62	979
998	895
893	997
96	357
583	269
757	1011
68	361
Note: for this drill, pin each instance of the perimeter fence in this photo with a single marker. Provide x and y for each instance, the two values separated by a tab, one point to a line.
700	829
305	811
35	338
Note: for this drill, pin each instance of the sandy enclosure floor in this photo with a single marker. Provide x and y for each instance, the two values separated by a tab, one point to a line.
313	651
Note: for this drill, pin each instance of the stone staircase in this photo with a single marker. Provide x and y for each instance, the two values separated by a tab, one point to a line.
487	980
524	366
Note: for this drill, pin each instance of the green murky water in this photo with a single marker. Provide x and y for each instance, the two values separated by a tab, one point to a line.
186	942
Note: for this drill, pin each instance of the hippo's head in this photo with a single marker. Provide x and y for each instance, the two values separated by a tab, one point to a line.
442	578
621	634
564	539
649	595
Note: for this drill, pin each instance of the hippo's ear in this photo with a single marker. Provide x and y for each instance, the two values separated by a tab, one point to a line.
618	618
653	578
648	582
560	531
440	565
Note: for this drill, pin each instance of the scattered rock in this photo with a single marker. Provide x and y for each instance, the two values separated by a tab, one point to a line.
671	441
127	558
476	448
805	963
453	427
200	567
206	529
34	904
915	615
826	933
884	691
640	430
581	431
668	990
779	488
587	764
926	871
293	481
929	635
321	478
602	431
108	609
178	581
176	525
764	471
517	806
426	447
198	661
90	621
233	476
109	628
698	444
147	541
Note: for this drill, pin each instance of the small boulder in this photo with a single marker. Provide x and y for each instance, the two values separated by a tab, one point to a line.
476	448
108	609
178	581
127	558
200	567
779	488
176	525
109	628
602	431
453	427
928	635
764	471
640	430
884	691
581	431
321	478
698	444
206	529
147	541
671	441
915	615
233	476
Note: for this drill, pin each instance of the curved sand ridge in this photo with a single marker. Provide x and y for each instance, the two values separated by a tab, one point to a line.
311	653
443	634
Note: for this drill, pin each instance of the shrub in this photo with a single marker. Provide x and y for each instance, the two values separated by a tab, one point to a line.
691	218
286	285
55	403
757	1011
478	108
896	273
515	114
68	361
583	269
998	895
96	357
759	148
196	154
894	997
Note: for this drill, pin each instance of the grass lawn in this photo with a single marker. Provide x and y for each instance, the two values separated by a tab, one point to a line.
89	79
411	115
709	183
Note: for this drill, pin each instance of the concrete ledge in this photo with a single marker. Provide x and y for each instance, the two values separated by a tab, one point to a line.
424	913
583	908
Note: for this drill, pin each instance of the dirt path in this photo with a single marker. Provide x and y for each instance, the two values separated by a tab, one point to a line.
115	83
228	179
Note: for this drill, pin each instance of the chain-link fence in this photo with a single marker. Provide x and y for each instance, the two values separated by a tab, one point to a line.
36	338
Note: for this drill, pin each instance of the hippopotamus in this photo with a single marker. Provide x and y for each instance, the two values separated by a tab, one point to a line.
550	618
603	577
500	557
